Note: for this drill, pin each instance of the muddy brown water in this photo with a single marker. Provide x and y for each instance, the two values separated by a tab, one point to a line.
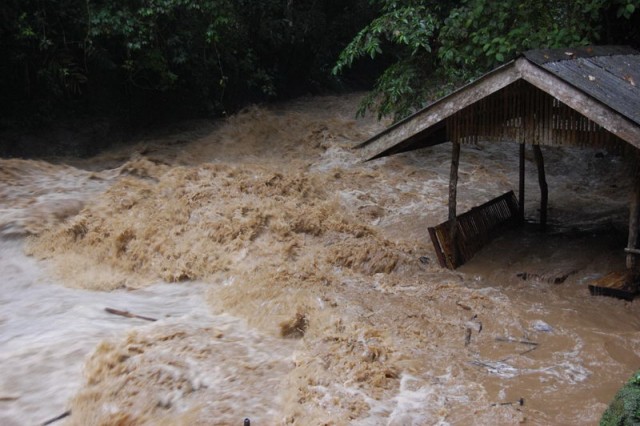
286	280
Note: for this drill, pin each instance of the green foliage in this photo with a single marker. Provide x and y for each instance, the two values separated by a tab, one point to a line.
213	55
407	28
625	408
455	41
626	8
482	34
165	45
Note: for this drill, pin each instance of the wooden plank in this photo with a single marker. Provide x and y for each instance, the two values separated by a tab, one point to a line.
473	230
624	66
615	284
437	246
440	110
591	108
599	82
542	56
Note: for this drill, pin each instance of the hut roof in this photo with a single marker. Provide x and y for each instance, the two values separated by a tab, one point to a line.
602	83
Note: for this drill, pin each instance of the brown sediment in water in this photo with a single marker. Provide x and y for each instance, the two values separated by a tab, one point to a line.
294	235
179	374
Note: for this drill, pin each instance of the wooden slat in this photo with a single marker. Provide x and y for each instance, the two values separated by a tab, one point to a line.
440	110
591	108
615	284
473	230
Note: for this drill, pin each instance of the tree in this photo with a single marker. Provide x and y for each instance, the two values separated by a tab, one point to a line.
207	56
439	45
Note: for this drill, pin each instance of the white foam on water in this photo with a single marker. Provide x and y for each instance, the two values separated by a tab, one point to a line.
47	331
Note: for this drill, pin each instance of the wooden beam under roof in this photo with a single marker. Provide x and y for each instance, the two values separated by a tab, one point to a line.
589	107
439	110
419	130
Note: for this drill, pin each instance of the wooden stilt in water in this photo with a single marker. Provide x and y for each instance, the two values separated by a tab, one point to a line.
453	193
521	184
634	211
544	189
623	284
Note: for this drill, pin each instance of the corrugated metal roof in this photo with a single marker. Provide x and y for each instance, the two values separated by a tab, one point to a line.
610	74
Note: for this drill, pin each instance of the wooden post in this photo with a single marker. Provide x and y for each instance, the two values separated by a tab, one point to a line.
453	193
521	184
634	211
544	189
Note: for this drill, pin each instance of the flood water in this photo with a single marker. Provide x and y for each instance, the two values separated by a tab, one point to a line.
291	283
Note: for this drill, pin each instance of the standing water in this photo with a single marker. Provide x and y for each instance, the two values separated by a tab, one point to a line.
294	284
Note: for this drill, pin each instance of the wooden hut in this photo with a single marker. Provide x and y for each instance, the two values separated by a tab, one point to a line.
588	96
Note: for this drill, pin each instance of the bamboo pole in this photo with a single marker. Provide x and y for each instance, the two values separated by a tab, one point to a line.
521	185
634	211
544	189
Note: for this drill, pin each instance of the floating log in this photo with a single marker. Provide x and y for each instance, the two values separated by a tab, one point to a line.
512	340
528	350
463	306
518	402
55	419
128	314
5	398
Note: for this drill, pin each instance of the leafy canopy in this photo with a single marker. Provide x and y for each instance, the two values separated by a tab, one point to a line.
436	45
213	55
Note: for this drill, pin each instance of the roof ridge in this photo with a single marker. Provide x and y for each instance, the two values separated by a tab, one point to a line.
543	56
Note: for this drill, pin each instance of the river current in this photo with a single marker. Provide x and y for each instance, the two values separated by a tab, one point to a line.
292	283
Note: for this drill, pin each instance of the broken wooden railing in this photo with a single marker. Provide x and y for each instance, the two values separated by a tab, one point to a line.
473	230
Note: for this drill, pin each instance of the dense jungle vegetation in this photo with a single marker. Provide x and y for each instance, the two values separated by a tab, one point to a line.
139	61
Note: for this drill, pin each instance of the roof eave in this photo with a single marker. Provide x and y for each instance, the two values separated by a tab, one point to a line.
383	143
583	103
440	109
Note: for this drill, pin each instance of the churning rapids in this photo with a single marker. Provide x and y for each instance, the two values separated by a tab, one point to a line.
294	284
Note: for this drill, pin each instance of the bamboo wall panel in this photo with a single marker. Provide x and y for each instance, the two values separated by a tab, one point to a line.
473	230
524	114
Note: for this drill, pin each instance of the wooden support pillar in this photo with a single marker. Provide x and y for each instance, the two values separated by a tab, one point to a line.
521	184
544	189
634	212
453	194
453	180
